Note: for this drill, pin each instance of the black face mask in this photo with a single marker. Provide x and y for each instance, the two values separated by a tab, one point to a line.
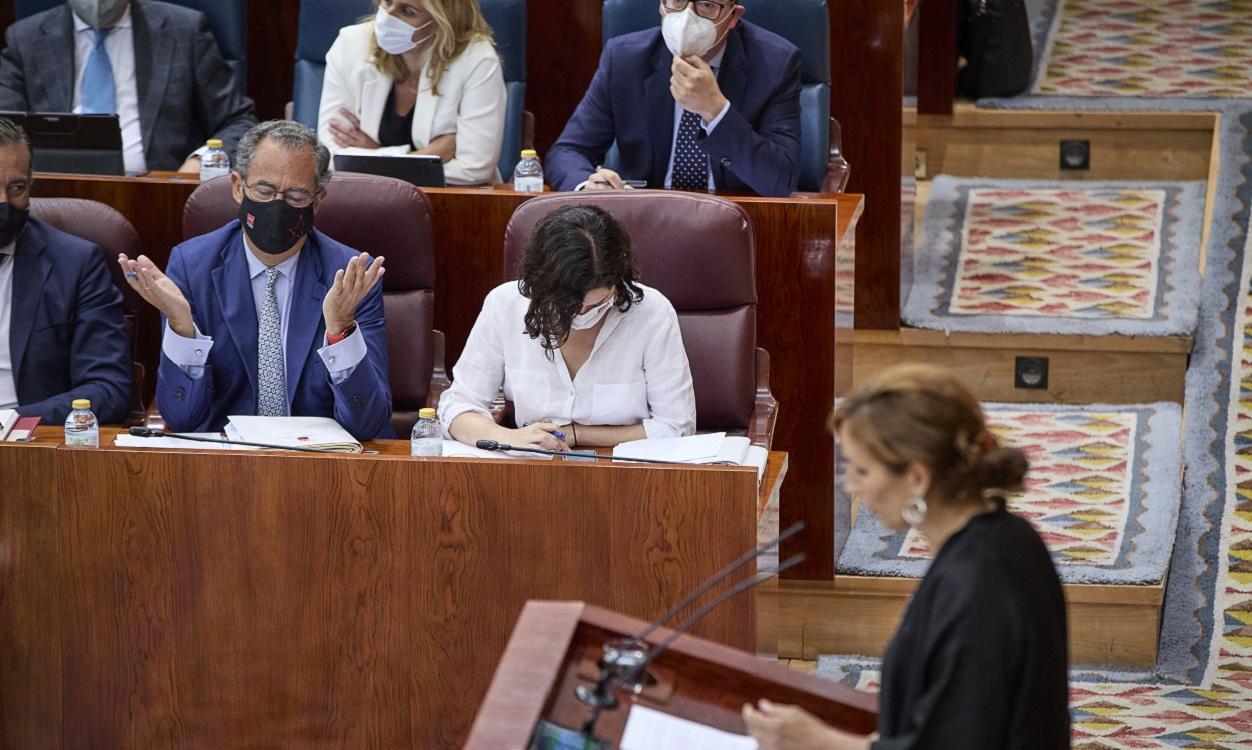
12	221
275	226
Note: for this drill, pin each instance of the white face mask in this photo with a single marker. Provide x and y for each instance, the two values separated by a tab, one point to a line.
583	321
97	12
688	34
395	37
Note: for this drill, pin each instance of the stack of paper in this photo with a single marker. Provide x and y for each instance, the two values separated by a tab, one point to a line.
322	433
712	448
14	427
124	440
649	729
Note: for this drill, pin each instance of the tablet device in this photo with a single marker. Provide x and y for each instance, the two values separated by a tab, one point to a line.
77	144
423	170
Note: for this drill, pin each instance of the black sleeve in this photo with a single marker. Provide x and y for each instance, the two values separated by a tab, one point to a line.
12	76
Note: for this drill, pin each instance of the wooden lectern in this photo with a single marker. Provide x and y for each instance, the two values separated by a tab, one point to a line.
555	648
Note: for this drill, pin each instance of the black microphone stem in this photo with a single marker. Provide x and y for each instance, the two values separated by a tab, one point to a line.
149	432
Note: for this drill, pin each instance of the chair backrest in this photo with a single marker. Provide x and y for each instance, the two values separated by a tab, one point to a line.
381	216
804	23
104	227
227	18
700	252
321	20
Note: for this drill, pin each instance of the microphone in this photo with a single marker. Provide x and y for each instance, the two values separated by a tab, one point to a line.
601	696
146	432
494	445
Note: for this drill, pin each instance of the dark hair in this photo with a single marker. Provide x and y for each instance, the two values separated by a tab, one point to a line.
570	252
923	414
12	134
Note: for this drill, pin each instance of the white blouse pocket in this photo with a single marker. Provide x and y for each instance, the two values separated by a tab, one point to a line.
619	403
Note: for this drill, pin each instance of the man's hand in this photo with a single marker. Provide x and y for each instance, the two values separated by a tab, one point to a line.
605	179
191	166
160	292
350	287
443	146
347	132
695	88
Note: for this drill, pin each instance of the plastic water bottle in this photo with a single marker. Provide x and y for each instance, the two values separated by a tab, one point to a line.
215	162
528	174
427	437
81	427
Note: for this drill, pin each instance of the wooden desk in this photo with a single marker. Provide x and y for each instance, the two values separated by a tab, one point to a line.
156	598
797	239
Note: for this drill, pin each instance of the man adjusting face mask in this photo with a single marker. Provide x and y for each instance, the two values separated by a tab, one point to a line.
99	14
688	34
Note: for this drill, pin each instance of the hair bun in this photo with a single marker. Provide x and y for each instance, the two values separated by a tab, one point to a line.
1002	468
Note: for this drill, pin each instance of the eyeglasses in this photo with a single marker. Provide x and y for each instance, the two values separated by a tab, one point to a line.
17	189
295	197
710	9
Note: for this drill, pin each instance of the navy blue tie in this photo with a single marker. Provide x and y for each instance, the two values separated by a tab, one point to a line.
691	164
99	95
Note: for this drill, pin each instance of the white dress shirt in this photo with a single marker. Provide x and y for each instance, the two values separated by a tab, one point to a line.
637	370
120	44
8	385
191	354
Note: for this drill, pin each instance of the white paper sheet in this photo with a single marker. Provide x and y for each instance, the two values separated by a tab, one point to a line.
648	729
690	449
454	449
133	441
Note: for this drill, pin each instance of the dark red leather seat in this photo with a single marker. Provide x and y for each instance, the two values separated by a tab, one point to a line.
104	227
700	252
381	216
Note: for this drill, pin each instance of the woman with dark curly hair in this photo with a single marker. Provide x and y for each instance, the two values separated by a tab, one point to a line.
980	658
587	355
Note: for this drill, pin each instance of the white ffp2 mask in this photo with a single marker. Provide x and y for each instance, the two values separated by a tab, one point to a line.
395	37
583	321
686	33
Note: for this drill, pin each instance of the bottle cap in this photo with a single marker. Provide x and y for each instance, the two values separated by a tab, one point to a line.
214	143
426	414
81	403
530	153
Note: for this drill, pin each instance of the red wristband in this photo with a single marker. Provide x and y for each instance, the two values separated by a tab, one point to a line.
335	338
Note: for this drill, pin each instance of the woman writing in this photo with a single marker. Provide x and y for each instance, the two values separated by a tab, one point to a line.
979	660
420	76
586	354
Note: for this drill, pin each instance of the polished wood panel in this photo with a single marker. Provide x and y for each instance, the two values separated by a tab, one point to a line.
272	26
555	644
159	598
796	243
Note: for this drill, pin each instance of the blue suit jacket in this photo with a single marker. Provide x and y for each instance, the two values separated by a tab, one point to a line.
66	335
212	272
755	148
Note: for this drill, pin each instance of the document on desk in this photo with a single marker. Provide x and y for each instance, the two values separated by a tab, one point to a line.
715	447
648	729
322	433
134	441
455	449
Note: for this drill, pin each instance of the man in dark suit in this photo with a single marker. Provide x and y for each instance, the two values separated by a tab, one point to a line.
708	101
267	315
153	64
61	333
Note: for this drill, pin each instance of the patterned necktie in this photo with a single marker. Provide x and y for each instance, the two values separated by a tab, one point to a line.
271	397
691	164
99	97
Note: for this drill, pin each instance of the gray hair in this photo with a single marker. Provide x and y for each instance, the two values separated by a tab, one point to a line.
291	135
12	134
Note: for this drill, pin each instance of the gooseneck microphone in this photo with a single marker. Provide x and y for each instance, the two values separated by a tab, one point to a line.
495	445
152	432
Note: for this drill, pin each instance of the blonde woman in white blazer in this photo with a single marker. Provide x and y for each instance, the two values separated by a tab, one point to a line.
425	69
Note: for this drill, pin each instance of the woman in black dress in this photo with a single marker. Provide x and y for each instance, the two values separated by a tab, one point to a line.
980	658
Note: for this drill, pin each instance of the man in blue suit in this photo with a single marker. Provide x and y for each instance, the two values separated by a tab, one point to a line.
707	101
61	333
267	315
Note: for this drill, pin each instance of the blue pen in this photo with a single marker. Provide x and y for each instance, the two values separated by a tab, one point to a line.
559	435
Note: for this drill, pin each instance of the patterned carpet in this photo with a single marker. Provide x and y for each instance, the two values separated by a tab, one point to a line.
1165	48
1102	492
1078	257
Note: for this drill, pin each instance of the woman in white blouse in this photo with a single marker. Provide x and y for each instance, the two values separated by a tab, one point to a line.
420	76
587	355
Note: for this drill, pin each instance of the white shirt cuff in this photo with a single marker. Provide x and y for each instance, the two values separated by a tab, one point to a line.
190	354
342	359
708	126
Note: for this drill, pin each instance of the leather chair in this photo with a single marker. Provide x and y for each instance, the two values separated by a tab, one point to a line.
321	20
112	233
227	18
382	216
700	252
804	23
